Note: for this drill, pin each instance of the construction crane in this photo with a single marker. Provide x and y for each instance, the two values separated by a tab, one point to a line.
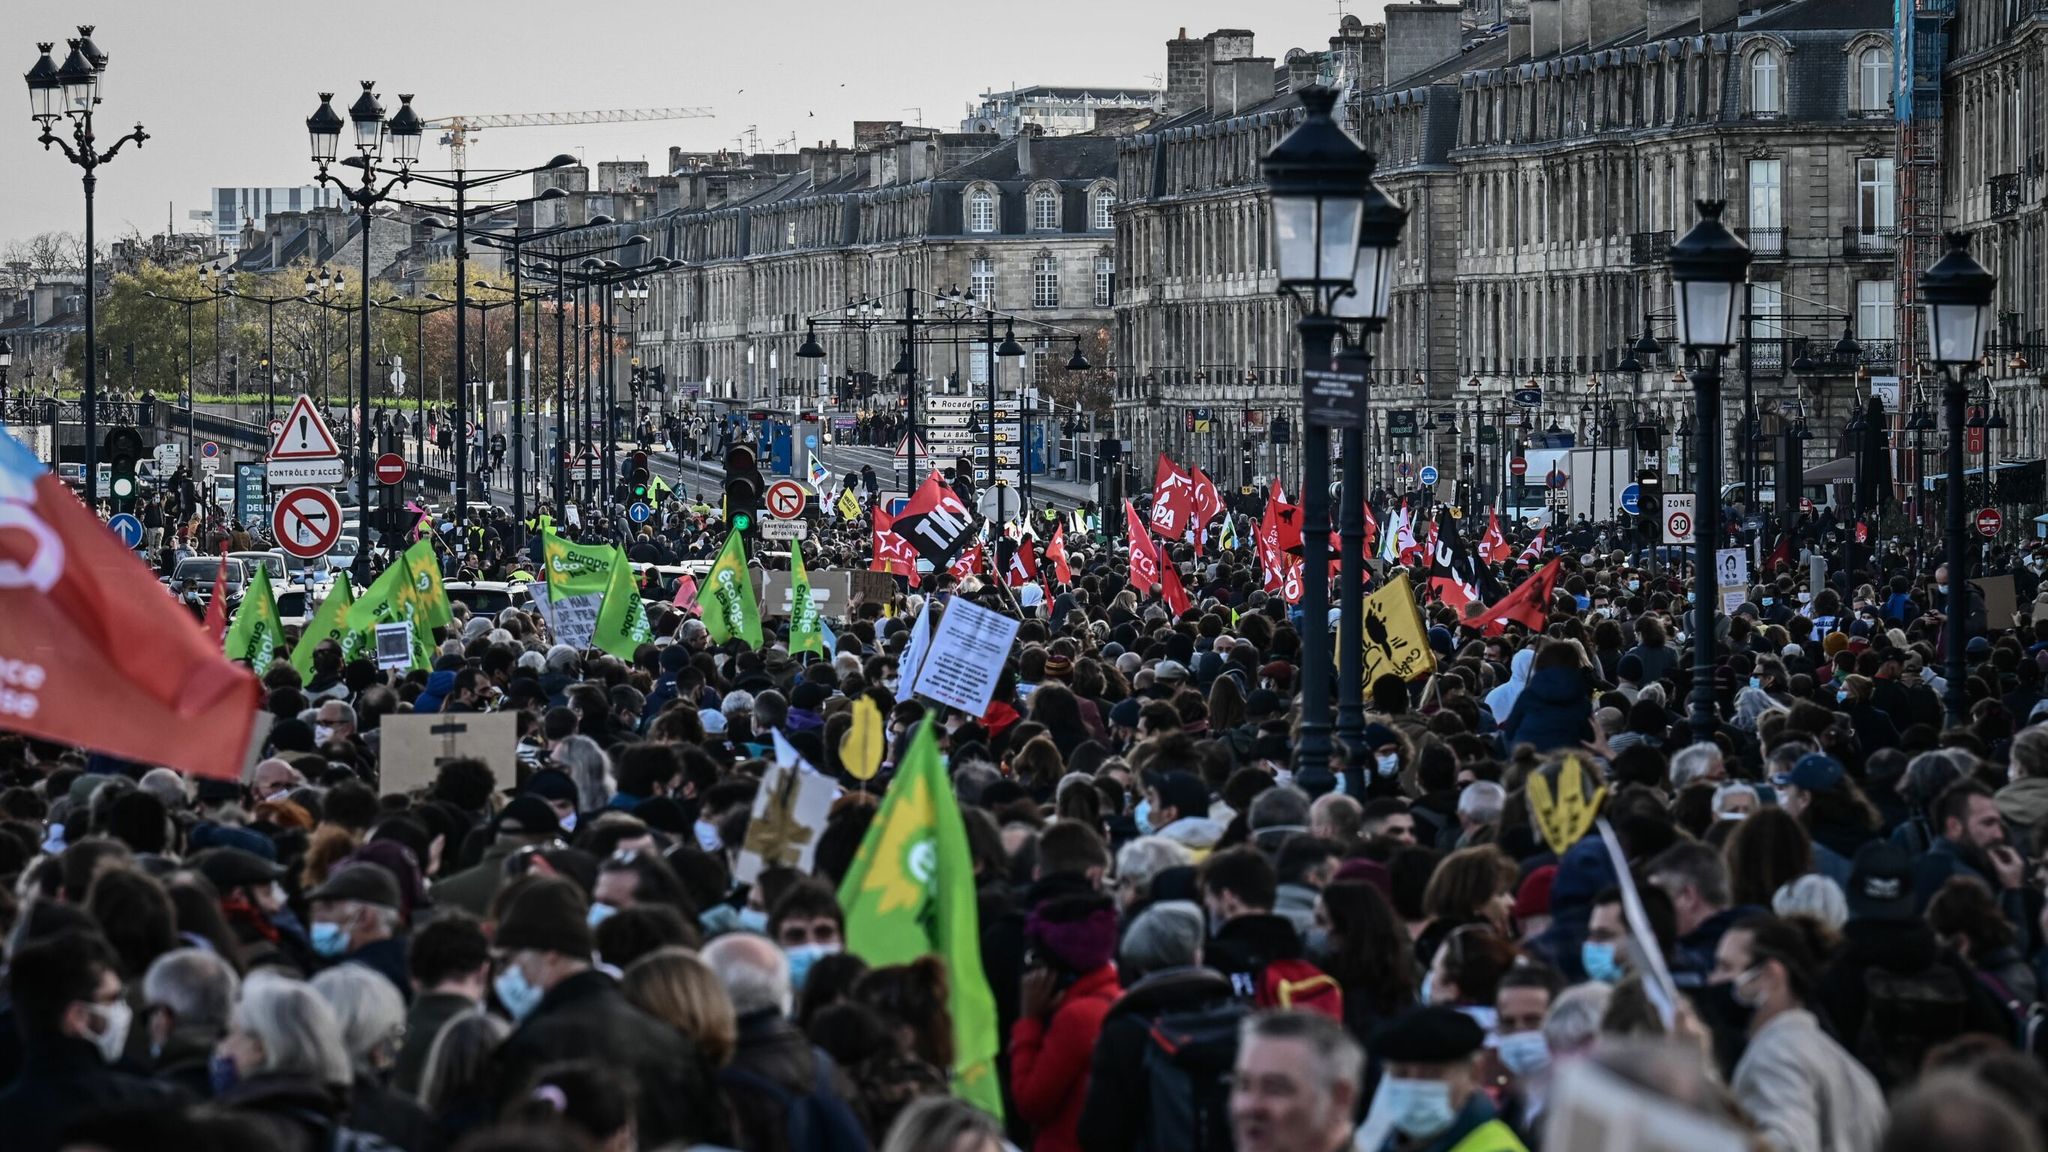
456	130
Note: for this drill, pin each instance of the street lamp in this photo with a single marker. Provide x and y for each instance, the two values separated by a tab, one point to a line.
72	91
1317	176
1957	294
1707	266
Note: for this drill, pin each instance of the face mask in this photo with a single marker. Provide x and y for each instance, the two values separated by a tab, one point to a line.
707	836
1318	941
113	1035
600	912
1523	1053
754	920
1690	596
1842	697
514	991
222	1074
277	896
1388	764
569	822
1143	815
329	940
1744	990
1420	1108
801	958
322	734
889	683
1756	681
1635	585
1599	962
1768	601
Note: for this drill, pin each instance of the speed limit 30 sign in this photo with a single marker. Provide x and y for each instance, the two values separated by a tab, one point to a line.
1678	512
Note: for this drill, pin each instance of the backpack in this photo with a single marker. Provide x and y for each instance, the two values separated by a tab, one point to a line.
1299	986
1905	1014
818	1120
1187	1064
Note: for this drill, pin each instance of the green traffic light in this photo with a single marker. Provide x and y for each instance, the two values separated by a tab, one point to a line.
742	522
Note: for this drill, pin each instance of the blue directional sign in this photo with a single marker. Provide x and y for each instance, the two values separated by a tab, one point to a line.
639	513
1529	397
1429	473
1632	499
128	529
811	441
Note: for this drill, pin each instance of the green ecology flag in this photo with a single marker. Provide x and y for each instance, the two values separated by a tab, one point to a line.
326	624
806	629
910	893
422	596
256	632
578	576
394	596
727	597
622	619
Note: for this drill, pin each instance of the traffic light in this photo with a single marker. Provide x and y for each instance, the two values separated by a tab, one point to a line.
123	447
1650	498
642	480
742	489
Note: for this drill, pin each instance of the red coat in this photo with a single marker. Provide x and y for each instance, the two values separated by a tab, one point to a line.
1049	1060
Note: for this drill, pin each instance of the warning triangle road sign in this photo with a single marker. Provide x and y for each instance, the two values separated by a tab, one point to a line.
304	435
903	448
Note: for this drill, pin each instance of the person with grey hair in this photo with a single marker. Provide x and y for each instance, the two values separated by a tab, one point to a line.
1161	965
1479	810
771	711
1276	814
283	1055
2023	802
1956	1111
772	1063
166	786
1697	762
188	996
371	1017
1572	1025
970	780
1813	895
1734	800
1139	862
589	768
531	660
1298	1081
563	660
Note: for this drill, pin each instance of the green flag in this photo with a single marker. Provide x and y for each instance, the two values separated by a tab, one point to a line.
256	631
910	893
326	624
806	633
422	595
728	597
622	619
578	576
392	597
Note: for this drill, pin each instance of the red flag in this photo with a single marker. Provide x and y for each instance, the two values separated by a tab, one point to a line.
893	554
1782	554
1862	532
216	624
1144	554
1493	546
1176	597
1173	500
1291	579
1528	605
93	652
1405	545
686	595
1056	554
967	563
1208	505
1534	551
1451	574
1372	529
935	522
1023	564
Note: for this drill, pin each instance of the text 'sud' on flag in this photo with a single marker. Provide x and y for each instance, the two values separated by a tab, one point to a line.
92	652
1396	641
910	893
936	522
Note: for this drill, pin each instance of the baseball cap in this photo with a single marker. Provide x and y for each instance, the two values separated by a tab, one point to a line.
1815	772
1881	883
363	883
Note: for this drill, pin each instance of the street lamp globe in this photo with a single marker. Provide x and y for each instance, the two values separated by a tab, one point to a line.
1957	295
1846	347
366	116
324	128
95	57
45	91
810	349
406	128
1077	362
1379	236
1707	265
78	80
1009	348
1317	175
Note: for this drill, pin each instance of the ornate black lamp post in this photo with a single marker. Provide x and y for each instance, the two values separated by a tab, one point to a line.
1957	294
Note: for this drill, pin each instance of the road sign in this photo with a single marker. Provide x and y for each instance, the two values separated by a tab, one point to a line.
1529	397
1988	522
1678	517
785	500
276	427
1404	467
1632	499
773	529
302	434
300	473
1429	473
306	522
168	457
209	451
128	529
639	513
1518	466
1558	478
390	468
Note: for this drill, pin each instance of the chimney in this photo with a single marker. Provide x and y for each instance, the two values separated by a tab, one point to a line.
1026	133
1611	21
1518	38
1546	25
1225	45
1360	53
1239	84
1303	69
1187	71
1578	25
1714	13
1420	37
1671	16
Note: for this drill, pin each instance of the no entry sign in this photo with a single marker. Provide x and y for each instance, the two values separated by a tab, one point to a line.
1988	522
785	499
1518	466
390	468
306	522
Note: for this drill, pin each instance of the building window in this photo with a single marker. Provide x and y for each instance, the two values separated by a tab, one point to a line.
981	280
1045	282
1875	313
981	211
1874	80
1766	307
1105	211
1767	206
1763	84
1874	206
1045	210
1105	281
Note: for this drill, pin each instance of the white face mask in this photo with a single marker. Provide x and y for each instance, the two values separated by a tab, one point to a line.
322	733
114	1021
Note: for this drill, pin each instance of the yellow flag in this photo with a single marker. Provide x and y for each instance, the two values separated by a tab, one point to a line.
849	504
860	750
1396	642
1564	803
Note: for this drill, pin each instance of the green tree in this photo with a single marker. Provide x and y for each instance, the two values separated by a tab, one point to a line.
130	318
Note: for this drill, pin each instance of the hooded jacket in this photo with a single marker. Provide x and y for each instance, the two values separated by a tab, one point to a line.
1554	711
1049	1060
1501	700
1114	1113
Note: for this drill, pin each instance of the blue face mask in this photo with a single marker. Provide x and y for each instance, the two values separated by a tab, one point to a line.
329	940
223	1075
1842	697
1599	961
1756	681
1420	1108
1428	992
1523	1053
754	920
1389	764
601	912
1143	815
516	993
801	958
1768	601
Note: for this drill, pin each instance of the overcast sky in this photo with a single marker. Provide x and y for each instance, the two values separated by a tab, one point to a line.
224	88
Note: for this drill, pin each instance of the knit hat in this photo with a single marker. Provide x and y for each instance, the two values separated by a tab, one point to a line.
1058	667
549	916
1079	932
1833	642
1533	897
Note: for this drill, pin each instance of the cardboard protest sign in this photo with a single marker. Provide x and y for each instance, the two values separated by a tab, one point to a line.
966	657
414	746
789	812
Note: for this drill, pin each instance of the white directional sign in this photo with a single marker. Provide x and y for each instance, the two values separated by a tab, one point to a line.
1678	517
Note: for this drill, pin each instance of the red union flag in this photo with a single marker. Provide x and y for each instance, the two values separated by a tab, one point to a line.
1528	605
1173	500
935	522
967	563
893	554
1208	504
1493	546
1144	554
92	652
1023	565
1056	555
1176	597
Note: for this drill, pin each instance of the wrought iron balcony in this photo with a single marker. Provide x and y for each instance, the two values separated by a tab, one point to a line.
1860	243
2005	194
1765	243
1649	247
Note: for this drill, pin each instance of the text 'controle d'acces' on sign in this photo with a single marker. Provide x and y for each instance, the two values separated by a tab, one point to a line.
303	451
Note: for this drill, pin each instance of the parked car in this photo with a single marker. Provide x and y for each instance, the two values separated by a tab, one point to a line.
487	597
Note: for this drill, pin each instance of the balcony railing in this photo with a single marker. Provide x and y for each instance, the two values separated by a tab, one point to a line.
1765	243
2005	194
1649	247
1868	243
